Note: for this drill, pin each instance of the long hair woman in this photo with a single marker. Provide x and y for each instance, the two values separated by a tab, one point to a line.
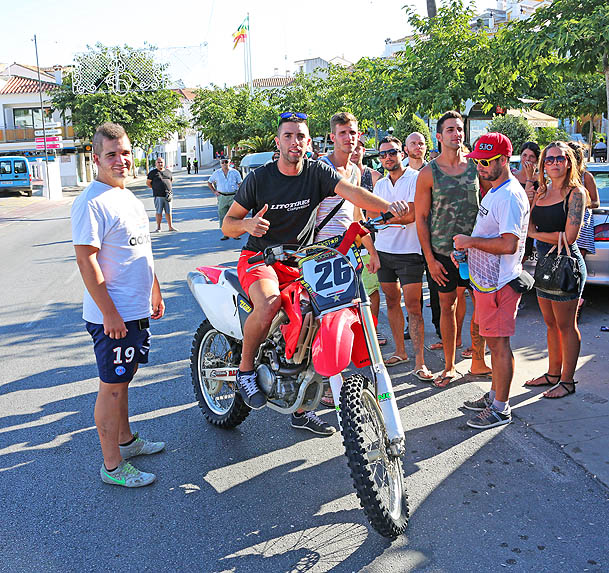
559	207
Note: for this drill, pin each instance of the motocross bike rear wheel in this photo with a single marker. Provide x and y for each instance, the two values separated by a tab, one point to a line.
378	477
219	400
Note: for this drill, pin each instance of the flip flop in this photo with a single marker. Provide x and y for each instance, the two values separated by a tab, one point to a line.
546	383
398	360
382	340
420	375
467	353
436	346
488	374
444	381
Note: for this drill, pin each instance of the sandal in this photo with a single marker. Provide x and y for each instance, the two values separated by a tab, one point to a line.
546	383
488	374
395	360
420	374
467	353
562	385
382	340
444	380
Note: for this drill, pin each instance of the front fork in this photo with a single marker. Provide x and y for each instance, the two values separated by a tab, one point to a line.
384	389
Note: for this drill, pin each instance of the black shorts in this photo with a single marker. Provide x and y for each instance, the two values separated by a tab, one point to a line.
117	358
453	280
407	268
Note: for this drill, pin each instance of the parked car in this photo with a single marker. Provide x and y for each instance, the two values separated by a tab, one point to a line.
598	263
253	160
15	173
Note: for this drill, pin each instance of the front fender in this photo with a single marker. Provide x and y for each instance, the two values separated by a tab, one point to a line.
334	342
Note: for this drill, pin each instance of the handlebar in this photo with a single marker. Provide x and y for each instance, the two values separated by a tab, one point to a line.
256	259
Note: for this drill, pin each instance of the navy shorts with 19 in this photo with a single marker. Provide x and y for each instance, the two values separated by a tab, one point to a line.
117	358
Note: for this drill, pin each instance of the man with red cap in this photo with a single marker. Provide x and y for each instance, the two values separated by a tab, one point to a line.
494	254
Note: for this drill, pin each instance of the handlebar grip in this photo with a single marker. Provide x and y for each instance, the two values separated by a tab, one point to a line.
386	216
256	259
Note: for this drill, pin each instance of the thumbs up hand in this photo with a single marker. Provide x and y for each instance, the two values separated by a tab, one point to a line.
258	225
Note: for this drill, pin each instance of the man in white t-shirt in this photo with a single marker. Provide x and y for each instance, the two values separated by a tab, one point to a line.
494	254
113	251
402	263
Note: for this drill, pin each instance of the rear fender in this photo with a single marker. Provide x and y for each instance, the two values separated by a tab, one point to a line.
290	301
333	343
220	303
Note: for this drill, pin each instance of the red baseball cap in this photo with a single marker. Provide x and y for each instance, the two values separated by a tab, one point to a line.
490	145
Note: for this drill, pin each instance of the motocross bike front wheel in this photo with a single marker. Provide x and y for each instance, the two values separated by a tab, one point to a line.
219	400
378	477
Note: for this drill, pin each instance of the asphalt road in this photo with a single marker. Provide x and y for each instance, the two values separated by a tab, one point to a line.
263	497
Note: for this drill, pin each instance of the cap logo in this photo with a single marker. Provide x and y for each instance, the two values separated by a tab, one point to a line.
486	147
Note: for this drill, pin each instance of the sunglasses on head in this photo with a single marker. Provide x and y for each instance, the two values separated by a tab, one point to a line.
391	152
486	162
288	115
555	159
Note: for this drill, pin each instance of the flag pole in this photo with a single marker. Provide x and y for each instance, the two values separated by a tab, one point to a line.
249	54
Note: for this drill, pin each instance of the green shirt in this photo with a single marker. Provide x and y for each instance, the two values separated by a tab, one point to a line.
454	206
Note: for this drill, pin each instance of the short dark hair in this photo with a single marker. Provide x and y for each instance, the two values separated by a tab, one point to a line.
532	145
106	130
292	119
341	118
390	139
452	114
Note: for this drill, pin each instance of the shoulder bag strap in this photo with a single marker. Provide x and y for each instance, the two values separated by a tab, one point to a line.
329	216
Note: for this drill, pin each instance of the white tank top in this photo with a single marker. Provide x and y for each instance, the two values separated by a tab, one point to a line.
343	217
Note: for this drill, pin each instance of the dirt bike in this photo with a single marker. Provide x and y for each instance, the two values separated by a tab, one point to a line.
324	324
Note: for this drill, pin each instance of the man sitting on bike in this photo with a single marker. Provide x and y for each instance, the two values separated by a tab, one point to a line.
283	197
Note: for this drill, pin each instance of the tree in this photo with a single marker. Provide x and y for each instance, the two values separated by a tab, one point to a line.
547	135
444	61
147	117
517	128
572	34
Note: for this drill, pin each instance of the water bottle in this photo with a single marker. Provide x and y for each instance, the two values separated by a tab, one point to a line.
461	258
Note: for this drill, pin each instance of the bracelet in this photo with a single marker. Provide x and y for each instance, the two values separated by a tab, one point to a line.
531	180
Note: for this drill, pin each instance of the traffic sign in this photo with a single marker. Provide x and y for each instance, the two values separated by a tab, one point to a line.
47	131
54	139
50	145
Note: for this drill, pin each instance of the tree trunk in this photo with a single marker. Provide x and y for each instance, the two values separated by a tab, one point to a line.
591	135
431	8
606	70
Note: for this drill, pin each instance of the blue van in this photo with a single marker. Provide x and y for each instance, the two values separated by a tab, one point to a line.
15	173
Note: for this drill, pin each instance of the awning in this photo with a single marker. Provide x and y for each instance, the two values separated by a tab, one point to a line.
534	117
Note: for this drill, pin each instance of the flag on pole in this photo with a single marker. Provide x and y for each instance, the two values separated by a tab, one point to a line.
241	33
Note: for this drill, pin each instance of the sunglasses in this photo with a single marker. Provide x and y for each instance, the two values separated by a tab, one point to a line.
556	159
288	115
486	162
390	152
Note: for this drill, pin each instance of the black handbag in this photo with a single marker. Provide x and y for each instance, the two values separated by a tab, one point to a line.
558	274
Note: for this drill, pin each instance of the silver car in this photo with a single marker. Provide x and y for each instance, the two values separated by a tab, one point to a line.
598	263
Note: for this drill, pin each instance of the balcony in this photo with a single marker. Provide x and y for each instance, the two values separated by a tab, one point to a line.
27	134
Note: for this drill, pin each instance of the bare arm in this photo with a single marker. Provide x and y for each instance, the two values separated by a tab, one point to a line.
506	244
158	306
366	200
422	208
149	183
212	186
92	276
590	185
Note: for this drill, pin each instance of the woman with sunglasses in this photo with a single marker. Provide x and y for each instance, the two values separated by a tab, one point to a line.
559	207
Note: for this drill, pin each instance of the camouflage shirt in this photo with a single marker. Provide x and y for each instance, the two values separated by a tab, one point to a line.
454	206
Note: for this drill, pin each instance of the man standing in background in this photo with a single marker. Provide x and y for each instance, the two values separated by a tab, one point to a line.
224	183
160	180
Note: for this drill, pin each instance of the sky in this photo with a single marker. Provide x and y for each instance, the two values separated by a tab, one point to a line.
196	35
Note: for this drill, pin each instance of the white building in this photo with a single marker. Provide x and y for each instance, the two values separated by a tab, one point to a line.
21	122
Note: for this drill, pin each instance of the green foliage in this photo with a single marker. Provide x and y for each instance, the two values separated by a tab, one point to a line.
405	124
517	128
258	143
146	116
443	63
547	135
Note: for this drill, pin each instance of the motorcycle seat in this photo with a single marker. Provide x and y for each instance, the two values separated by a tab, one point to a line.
233	279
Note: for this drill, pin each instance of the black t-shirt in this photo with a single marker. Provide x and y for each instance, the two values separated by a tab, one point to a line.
292	201
161	182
